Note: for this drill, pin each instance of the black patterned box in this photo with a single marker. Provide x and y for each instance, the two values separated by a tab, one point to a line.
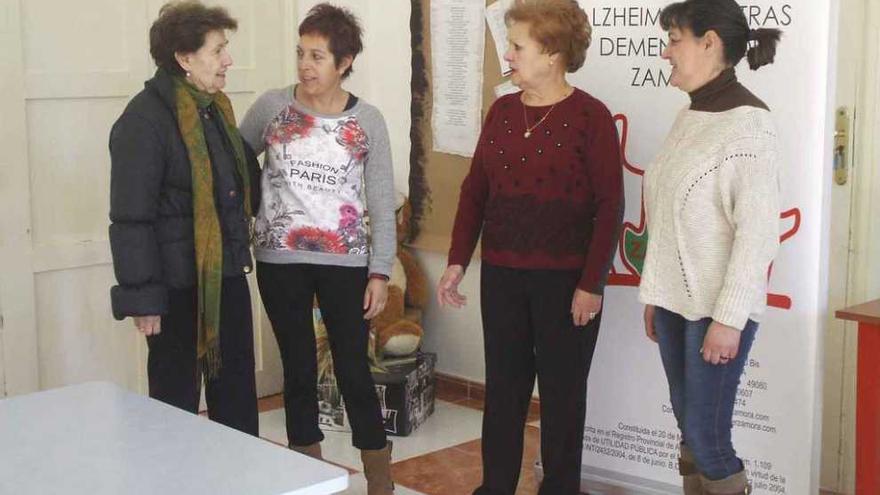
405	391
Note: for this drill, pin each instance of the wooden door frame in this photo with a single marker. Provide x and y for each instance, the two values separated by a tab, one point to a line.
865	283
18	334
861	280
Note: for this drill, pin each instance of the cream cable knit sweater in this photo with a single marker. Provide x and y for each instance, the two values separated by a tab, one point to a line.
712	211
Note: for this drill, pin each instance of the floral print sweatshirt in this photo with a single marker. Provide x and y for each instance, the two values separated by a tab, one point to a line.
321	175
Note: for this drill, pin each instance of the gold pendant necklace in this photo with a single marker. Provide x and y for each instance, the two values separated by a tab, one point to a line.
529	129
532	128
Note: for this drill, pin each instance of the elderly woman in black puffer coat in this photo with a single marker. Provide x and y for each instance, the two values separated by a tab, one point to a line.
180	207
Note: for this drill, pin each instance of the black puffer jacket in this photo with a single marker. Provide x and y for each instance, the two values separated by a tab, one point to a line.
151	204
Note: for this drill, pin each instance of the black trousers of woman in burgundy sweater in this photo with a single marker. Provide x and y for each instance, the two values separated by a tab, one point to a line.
528	331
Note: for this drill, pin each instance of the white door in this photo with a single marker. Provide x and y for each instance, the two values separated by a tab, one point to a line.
838	426
69	68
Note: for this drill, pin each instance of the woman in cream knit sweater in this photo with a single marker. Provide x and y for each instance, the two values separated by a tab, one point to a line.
712	204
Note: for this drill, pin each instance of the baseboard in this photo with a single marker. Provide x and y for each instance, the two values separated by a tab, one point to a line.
454	386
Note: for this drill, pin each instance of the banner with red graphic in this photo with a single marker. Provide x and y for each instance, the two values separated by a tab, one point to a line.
631	440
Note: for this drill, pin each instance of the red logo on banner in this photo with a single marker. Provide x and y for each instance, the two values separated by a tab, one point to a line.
633	241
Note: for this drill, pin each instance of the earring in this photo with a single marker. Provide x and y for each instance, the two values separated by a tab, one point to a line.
188	74
551	62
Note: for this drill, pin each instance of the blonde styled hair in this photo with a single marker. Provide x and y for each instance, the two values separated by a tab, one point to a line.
560	26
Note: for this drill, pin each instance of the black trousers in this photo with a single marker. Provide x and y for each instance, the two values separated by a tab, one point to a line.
288	291
174	372
528	330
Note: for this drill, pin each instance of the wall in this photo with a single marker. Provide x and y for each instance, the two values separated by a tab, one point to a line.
456	335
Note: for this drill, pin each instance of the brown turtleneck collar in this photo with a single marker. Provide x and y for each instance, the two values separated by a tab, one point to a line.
723	93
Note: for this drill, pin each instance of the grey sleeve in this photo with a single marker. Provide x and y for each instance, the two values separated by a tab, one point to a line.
379	183
258	116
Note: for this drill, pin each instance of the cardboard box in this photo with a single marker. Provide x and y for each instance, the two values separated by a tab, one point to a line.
406	396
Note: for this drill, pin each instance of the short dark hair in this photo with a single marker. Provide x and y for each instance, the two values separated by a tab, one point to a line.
727	19
341	29
181	28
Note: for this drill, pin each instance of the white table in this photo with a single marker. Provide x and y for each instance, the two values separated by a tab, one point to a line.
97	438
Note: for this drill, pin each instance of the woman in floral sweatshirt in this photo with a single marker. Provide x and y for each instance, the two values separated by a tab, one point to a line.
327	158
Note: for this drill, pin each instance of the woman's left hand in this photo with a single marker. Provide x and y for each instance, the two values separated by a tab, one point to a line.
721	344
375	297
584	307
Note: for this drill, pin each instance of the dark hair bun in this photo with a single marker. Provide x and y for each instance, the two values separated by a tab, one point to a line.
763	47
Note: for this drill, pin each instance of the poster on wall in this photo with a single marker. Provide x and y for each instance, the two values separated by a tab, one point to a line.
498	29
457	45
631	440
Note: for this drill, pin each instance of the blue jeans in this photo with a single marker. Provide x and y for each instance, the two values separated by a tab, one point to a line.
702	394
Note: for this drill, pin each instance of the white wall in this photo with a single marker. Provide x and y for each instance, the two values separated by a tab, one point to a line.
456	335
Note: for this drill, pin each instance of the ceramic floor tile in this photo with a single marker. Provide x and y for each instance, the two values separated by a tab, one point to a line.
471	403
271	402
445	472
357	485
477	403
450	425
272	426
528	482
458	469
534	412
336	446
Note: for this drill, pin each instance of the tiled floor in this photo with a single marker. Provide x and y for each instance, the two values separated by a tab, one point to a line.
442	457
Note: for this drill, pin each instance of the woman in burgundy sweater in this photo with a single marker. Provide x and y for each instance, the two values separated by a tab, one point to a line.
545	190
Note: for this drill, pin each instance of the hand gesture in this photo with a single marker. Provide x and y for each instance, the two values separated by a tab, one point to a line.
447	288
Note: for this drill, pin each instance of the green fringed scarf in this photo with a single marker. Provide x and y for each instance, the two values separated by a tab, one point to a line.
208	237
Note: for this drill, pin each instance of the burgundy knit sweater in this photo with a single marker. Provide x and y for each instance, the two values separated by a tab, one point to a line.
553	200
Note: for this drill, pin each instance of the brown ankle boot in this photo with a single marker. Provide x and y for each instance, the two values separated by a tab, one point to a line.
735	484
690	477
377	470
313	450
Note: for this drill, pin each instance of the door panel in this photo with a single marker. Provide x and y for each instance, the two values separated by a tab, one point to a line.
77	65
838	422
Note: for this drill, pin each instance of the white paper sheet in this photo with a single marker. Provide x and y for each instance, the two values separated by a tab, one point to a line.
495	20
457	42
505	88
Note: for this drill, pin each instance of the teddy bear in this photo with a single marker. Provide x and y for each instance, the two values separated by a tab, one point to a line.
398	330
